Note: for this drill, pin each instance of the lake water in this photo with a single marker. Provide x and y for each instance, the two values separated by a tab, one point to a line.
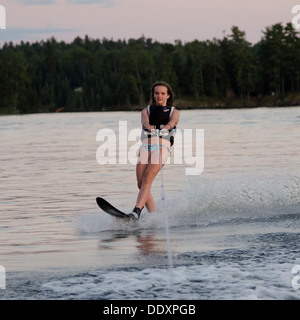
234	229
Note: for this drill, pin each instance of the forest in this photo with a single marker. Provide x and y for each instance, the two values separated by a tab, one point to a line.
96	75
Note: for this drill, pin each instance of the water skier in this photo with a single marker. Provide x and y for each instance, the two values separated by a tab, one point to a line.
162	115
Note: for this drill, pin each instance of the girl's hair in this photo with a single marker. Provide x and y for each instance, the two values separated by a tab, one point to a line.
170	100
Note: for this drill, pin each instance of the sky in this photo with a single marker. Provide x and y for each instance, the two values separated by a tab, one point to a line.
161	20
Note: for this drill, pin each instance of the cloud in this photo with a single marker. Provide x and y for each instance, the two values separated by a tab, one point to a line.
15	34
104	3
36	2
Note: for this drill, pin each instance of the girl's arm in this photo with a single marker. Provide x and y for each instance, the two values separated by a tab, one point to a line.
173	121
145	120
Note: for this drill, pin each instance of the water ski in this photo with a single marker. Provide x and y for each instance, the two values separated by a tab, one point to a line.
108	208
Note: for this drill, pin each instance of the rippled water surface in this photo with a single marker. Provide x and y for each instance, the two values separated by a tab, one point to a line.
234	229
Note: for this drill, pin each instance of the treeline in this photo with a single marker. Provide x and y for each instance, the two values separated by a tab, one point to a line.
92	75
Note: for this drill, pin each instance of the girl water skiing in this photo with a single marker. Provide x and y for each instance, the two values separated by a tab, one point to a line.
162	115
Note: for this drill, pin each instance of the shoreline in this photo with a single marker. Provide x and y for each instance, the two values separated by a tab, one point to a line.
204	103
252	102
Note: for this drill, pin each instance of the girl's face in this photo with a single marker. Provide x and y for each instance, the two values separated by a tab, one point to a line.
161	95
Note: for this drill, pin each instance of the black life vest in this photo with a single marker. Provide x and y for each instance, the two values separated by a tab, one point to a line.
158	117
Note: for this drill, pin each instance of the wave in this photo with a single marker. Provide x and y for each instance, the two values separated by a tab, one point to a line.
204	202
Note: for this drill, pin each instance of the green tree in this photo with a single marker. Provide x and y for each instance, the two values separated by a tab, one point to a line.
271	56
291	60
14	81
239	62
194	67
215	76
92	74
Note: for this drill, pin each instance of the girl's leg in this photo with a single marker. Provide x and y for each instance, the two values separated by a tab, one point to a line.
143	161
147	175
140	171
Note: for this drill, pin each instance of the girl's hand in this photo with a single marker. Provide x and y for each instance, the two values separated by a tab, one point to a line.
167	127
